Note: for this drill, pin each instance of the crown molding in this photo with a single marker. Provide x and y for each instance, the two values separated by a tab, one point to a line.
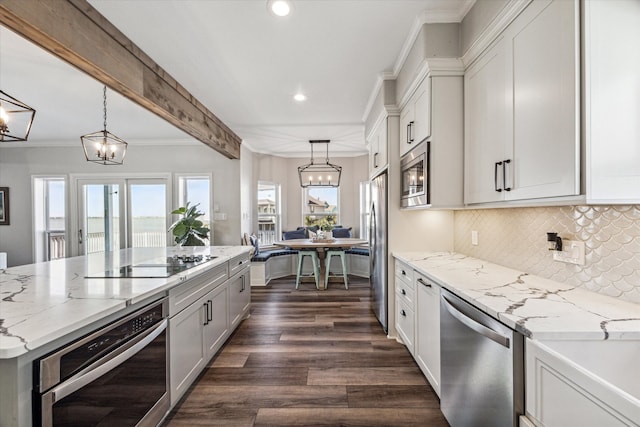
385	75
493	30
432	67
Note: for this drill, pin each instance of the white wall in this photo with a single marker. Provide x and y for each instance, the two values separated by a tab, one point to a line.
17	165
247	190
285	172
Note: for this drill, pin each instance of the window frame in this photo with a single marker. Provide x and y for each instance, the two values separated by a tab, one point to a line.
305	196
277	232
180	195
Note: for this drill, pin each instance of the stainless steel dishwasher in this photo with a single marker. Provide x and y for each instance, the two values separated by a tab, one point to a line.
482	381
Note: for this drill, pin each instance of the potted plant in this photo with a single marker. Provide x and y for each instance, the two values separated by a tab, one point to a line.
189	230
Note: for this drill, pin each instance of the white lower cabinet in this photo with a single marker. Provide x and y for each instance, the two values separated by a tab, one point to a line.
216	326
427	345
405	304
404	323
239	297
203	313
186	347
561	393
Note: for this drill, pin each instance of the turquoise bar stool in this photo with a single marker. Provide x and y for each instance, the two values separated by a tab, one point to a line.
316	266
343	258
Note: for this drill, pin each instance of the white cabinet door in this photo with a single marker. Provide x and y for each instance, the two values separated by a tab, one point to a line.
422	111
561	393
522	109
239	298
216	325
406	128
428	330
378	149
545	155
487	118
186	347
415	117
612	101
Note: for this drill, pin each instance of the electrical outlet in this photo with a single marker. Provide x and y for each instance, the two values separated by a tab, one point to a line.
572	252
474	237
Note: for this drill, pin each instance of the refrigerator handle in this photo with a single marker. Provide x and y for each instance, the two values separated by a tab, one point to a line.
372	235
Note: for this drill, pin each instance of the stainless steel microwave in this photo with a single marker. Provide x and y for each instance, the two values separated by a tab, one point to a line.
415	177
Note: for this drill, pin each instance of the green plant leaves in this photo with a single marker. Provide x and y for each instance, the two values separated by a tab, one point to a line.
188	230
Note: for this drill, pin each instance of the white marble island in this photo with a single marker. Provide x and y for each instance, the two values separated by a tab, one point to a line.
42	302
46	306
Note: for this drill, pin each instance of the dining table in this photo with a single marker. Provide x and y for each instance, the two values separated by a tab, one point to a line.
321	245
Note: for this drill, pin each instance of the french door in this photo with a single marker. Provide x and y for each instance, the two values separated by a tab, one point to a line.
116	213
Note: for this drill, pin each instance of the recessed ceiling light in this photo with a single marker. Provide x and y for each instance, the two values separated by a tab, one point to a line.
300	97
280	7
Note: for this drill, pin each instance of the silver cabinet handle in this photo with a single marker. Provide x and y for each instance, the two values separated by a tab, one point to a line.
106	364
422	282
80	236
483	330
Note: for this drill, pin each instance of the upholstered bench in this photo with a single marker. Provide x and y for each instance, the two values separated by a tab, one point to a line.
272	264
358	261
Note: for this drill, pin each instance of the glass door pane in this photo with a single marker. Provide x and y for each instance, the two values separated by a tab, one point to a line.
148	214
102	230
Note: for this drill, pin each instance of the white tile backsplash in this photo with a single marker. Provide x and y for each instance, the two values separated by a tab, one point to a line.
517	238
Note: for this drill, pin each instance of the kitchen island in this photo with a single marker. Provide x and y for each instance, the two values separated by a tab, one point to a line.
47	305
581	347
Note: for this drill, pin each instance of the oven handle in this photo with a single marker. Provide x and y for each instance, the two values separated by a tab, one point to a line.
106	364
483	330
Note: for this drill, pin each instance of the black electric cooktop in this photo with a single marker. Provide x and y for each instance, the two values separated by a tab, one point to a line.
173	265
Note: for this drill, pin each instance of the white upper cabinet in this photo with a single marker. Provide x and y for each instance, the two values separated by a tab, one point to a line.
487	124
612	71
415	117
522	109
377	144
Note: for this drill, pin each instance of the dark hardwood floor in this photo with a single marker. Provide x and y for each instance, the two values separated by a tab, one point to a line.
310	358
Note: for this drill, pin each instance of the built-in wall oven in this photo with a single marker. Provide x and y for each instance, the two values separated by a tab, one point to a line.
415	177
115	376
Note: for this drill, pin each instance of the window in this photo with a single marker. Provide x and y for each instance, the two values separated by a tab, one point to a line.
50	218
268	212
321	206
365	206
196	189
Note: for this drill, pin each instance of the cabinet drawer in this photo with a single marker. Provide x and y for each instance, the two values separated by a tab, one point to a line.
405	292
185	294
238	263
405	323
404	273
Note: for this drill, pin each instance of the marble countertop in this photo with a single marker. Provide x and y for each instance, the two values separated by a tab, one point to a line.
539	308
42	302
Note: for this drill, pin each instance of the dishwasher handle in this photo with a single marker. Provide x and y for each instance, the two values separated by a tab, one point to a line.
472	324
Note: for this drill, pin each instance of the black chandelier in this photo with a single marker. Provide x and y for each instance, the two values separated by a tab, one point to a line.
16	118
103	147
319	174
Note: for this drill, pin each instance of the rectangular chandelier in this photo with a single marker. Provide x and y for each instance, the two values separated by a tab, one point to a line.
319	174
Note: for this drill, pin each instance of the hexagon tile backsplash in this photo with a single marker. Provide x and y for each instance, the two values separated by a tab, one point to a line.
517	238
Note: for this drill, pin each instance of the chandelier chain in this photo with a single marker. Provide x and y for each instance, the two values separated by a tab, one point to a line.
104	105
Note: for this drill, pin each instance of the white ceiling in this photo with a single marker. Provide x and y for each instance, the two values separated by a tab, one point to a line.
241	62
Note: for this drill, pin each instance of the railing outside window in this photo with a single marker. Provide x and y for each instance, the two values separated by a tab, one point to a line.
55	244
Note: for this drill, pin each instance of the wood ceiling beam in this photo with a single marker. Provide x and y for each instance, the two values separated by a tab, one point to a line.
77	33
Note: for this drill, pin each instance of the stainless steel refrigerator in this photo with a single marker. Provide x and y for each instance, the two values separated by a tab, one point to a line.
378	248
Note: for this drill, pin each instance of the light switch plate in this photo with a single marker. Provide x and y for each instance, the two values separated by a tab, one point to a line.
572	252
